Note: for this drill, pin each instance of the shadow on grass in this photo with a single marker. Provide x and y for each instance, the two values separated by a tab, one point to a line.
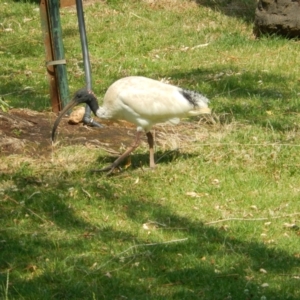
141	160
44	264
23	98
244	9
258	97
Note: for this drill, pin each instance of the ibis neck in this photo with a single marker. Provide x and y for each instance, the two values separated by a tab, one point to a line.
94	106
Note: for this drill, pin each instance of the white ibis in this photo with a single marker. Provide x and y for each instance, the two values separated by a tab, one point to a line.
143	102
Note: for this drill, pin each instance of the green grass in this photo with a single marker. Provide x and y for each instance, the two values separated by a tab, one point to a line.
213	220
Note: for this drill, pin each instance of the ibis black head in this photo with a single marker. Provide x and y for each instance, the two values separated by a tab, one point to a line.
81	96
88	97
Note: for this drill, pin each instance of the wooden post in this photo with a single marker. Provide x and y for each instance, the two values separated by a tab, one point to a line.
55	60
54	93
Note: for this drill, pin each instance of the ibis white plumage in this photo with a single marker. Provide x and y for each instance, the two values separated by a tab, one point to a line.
143	102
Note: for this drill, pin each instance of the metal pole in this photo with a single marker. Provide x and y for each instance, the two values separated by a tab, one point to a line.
86	61
59	62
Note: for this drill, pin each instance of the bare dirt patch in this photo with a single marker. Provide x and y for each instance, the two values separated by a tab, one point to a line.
28	133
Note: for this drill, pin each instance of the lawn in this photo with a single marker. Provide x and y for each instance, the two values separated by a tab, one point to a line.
219	216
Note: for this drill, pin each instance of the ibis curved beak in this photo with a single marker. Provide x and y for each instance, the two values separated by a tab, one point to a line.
70	105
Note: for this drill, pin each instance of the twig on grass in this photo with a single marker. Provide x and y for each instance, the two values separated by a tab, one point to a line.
296	276
255	219
167	153
156	223
87	193
228	275
25	89
137	16
28	209
141	245
7	285
248	144
152	244
35	193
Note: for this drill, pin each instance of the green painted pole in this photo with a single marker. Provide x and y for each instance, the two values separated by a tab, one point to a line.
58	51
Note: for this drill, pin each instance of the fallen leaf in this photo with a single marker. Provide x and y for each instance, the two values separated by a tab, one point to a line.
193	194
31	268
263	271
248	278
224	228
292	226
289	225
94	266
215	181
87	235
200	46
149	226
264	285
128	163
28	73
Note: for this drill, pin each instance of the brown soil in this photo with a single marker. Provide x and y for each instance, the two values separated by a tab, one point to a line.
24	131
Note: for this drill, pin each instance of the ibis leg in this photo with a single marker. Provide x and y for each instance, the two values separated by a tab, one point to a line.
151	149
116	163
